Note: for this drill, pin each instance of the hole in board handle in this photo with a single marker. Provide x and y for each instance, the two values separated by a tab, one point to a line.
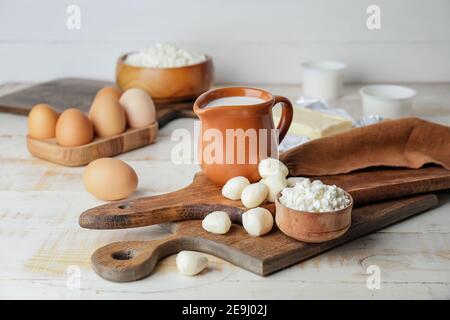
125	206
122	255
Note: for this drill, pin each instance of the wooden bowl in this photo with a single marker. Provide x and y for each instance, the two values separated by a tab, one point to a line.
166	84
313	227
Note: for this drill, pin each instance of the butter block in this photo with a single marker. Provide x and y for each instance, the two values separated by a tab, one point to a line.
314	124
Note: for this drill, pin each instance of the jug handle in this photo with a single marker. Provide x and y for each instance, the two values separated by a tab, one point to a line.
287	112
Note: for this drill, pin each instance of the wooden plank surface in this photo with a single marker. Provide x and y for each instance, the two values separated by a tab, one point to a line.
40	205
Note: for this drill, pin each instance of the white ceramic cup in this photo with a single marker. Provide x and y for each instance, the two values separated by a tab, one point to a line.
388	101
323	79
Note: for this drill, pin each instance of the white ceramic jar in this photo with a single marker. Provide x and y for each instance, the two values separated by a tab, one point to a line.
388	101
323	79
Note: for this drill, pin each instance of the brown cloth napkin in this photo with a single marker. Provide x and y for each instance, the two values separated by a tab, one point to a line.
407	142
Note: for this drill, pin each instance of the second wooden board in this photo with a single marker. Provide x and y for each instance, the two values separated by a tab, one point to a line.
78	93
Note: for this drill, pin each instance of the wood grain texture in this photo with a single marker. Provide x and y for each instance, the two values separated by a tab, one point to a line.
133	260
67	93
202	197
99	148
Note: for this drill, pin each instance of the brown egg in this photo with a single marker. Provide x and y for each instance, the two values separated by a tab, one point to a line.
112	91
139	107
107	116
73	128
42	121
110	179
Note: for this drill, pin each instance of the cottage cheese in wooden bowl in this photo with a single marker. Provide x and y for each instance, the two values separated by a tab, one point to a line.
164	55
311	211
167	72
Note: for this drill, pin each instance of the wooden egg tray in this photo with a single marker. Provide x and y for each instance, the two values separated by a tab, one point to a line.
100	147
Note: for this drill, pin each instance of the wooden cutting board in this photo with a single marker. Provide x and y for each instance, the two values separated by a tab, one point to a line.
127	261
132	260
202	197
77	92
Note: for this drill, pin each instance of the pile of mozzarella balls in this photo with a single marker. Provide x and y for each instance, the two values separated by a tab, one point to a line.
257	221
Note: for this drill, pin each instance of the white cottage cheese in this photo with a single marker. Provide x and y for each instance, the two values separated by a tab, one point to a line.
164	55
314	196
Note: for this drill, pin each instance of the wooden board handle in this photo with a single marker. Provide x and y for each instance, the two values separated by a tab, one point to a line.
147	211
131	260
131	213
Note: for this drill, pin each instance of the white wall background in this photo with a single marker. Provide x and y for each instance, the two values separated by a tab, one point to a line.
251	41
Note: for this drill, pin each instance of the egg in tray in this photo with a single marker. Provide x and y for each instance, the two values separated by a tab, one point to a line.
117	122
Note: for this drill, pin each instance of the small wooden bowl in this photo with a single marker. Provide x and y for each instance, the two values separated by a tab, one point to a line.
313	227
131	139
166	84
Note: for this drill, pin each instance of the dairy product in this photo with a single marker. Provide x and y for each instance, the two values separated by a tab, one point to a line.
314	196
191	263
257	221
217	222
234	101
314	124
275	183
234	187
291	181
163	55
271	166
254	194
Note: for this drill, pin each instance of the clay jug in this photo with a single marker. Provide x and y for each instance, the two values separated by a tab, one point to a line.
234	138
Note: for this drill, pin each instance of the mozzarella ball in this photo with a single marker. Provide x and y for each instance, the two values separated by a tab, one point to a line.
275	183
217	222
233	188
257	221
271	166
191	263
254	194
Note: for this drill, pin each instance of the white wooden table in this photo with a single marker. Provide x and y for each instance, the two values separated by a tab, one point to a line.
45	254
